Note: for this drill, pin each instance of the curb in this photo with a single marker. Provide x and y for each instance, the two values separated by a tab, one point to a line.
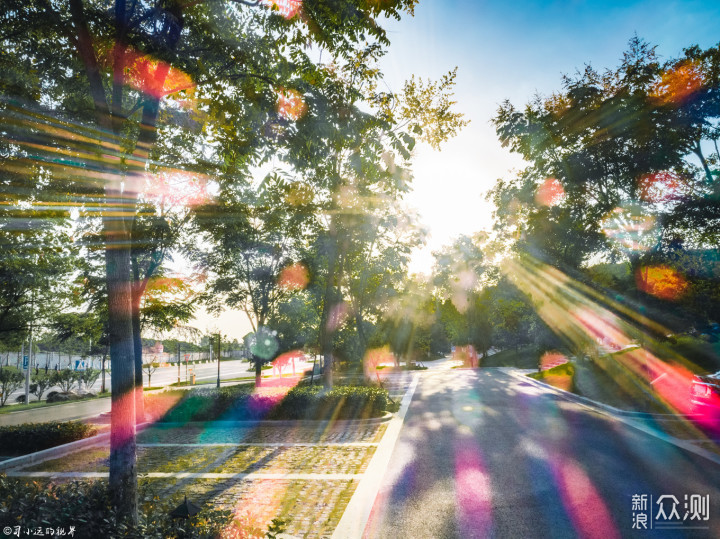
579	399
622	416
357	512
99	439
60	450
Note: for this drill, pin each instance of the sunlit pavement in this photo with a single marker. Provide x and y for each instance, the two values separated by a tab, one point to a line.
483	454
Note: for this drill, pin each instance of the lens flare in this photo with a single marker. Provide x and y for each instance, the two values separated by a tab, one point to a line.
290	104
177	188
631	227
552	359
286	8
662	282
662	187
142	72
338	315
294	277
678	84
550	193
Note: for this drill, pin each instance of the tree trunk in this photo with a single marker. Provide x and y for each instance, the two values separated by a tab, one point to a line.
123	472
326	333
258	371
137	348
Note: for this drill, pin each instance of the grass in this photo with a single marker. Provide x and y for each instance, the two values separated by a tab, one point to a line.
562	377
154	388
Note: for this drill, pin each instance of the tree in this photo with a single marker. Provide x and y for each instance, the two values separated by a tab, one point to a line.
252	236
609	157
108	87
11	379
149	366
41	382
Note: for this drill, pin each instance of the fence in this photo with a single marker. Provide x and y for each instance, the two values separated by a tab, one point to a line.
60	360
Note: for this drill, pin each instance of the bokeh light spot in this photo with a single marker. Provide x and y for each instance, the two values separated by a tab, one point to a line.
678	84
290	104
294	277
550	192
286	8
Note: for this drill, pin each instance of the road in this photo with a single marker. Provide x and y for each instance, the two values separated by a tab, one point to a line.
483	454
161	377
168	375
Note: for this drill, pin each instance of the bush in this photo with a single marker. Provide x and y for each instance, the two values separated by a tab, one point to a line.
31	437
64	379
207	404
341	402
41	382
238	403
87	507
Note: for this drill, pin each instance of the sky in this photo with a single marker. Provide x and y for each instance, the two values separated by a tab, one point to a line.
512	51
505	51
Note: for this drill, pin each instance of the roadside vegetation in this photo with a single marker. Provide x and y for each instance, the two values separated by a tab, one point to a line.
30	437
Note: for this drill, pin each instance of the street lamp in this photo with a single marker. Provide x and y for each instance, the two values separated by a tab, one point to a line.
218	359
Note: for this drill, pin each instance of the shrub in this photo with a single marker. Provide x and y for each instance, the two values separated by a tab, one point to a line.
10	380
87	507
31	437
88	377
40	383
207	404
301	402
65	379
341	402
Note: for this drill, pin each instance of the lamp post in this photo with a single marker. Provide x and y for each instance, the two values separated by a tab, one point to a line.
218	360
28	365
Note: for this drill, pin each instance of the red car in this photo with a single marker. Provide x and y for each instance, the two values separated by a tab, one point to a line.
705	394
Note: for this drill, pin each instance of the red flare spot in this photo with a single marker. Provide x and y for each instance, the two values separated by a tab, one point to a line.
550	192
678	84
294	277
290	104
662	282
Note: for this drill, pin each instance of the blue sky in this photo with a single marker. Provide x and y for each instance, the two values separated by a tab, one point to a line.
512	51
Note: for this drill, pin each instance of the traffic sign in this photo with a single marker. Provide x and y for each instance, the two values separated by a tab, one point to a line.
26	362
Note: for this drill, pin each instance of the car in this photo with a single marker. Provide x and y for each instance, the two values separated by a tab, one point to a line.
705	394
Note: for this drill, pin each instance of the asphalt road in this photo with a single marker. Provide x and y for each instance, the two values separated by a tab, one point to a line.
482	454
161	377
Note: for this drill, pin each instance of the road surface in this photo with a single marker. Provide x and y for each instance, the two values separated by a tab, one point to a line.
483	454
161	377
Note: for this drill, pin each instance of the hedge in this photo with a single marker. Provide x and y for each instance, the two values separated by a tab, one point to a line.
87	507
240	403
341	402
31	437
